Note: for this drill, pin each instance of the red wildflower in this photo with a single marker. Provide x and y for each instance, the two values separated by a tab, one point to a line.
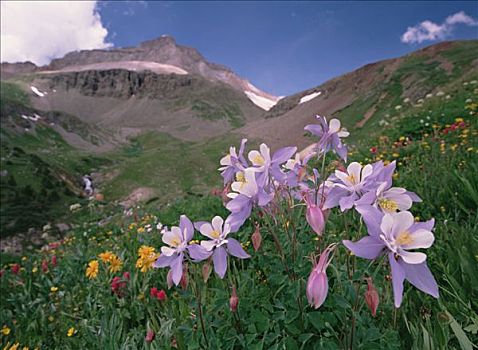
15	269
373	150
153	291
161	295
158	294
126	275
54	261
117	286
44	266
149	336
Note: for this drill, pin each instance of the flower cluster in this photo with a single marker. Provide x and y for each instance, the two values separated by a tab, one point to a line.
263	179
179	246
146	257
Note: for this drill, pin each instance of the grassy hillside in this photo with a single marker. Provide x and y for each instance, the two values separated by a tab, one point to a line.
57	306
375	92
41	172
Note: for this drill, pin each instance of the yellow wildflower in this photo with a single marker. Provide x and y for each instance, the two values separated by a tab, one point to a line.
395	155
141	230
5	330
13	347
92	269
35	269
147	257
54	289
71	331
106	256
115	264
51	318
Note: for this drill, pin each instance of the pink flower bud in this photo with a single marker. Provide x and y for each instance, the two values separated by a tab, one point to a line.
314	216
44	266
317	284
256	238
206	271
169	279
371	297
233	300
149	336
184	278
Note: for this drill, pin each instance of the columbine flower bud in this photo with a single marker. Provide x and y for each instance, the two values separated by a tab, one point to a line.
256	238
315	217
371	297
233	300
317	284
206	271
184	278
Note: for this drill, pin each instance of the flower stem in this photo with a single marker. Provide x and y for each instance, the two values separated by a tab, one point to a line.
197	292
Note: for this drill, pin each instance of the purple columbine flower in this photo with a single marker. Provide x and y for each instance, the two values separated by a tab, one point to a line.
348	187
317	284
396	234
233	163
266	165
247	193
329	135
177	239
389	199
219	245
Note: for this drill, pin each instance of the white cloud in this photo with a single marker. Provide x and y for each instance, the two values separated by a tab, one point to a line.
39	31
427	30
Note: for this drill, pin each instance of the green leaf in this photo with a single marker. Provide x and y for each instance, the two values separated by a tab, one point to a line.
465	343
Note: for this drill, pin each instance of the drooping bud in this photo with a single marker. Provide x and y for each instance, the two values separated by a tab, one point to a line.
317	284
149	336
184	278
233	300
371	297
256	238
169	279
206	271
314	216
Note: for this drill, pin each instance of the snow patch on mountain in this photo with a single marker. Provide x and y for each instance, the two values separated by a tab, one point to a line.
309	97
261	101
159	68
37	92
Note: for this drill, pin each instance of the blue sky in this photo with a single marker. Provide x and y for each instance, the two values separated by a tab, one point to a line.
284	47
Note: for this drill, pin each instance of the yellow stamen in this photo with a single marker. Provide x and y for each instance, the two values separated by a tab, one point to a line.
258	160
352	179
404	238
388	205
175	242
214	234
240	177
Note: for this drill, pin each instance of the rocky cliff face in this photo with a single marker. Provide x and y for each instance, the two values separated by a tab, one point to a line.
9	70
162	50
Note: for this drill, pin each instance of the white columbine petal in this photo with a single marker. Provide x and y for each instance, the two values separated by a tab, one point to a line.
334	125
412	257
420	239
167	251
